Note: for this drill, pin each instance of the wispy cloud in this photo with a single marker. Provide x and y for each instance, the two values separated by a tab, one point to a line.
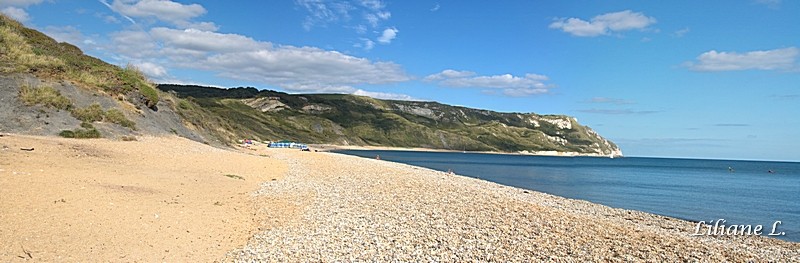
604	24
775	59
345	13
786	96
667	142
681	32
321	12
617	111
609	101
510	85
436	7
774	4
732	125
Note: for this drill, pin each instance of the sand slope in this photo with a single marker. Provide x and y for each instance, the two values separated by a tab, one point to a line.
155	199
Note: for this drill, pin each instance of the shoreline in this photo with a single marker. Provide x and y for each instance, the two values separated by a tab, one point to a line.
690	220
333	147
309	206
366	209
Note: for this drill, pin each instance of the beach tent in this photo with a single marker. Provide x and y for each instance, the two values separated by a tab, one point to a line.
287	144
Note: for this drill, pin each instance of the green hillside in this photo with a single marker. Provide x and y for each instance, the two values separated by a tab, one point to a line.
24	50
356	120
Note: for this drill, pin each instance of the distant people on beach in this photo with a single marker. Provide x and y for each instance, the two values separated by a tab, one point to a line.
377	157
450	171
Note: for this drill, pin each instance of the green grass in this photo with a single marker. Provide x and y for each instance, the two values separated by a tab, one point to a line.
92	113
95	113
24	50
116	116
86	132
45	96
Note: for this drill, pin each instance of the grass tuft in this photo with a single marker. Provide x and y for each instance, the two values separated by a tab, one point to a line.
46	96
116	116
95	113
92	113
86	132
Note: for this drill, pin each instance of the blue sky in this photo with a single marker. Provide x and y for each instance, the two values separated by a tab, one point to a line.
706	79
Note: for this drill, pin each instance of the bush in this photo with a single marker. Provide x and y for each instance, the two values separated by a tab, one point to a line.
88	132
46	96
95	113
133	78
89	114
116	116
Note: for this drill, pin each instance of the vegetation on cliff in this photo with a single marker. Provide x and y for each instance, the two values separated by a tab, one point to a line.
356	120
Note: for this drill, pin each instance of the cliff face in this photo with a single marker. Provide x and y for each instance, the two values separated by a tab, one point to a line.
357	120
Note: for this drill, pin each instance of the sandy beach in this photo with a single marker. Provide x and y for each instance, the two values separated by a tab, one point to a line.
151	200
174	200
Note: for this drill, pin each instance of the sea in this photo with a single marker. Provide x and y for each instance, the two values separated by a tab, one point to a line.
740	192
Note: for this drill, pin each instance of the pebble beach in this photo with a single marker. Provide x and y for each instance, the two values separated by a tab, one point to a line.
358	209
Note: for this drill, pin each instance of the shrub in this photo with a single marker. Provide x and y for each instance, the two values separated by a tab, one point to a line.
87	133
116	116
47	96
132	77
89	114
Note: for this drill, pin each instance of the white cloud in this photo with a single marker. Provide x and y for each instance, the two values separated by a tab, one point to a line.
233	56
681	32
604	24
67	34
205	41
610	101
530	84
383	95
449	74
16	13
165	10
388	35
373	4
111	19
436	7
366	45
22	3
774	4
776	59
152	70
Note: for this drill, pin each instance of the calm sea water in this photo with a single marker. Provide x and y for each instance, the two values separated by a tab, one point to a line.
691	189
